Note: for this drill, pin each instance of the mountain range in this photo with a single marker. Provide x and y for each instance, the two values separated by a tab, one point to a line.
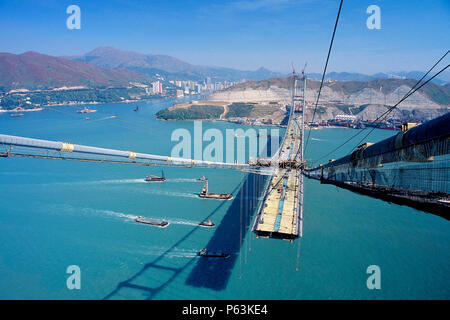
169	67
174	69
107	66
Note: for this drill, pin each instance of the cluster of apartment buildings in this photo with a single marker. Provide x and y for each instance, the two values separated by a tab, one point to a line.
155	88
196	87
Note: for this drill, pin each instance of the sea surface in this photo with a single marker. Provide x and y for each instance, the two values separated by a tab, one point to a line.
54	214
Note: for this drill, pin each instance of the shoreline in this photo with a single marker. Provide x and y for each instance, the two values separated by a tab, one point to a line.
223	120
41	107
21	110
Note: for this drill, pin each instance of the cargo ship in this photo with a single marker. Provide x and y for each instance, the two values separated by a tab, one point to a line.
204	253
153	222
208	195
151	178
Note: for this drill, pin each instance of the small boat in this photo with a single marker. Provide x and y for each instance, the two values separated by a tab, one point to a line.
137	109
86	110
17	115
153	222
151	178
209	195
206	254
203	178
208	224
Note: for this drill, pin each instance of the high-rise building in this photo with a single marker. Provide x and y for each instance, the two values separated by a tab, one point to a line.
157	87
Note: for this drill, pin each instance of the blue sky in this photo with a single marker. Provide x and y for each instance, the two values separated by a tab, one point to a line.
243	34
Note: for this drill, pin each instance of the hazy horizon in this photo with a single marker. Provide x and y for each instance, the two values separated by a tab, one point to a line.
444	76
244	35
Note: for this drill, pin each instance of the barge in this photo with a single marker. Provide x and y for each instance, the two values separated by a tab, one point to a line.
86	110
151	178
153	222
209	195
204	253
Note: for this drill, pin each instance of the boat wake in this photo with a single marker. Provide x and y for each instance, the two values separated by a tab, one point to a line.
95	182
168	193
132	217
181	180
117	181
163	251
105	118
177	253
126	216
183	222
112	181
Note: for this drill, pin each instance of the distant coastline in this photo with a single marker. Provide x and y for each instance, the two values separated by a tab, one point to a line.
19	109
34	108
28	99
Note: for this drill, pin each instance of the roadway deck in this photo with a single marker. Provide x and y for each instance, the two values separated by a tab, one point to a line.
278	215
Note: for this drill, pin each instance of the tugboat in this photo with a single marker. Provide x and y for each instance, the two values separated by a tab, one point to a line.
151	178
208	195
153	222
86	110
203	178
208	224
206	254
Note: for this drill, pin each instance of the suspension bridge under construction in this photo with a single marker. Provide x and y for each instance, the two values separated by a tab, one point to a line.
412	167
280	212
409	168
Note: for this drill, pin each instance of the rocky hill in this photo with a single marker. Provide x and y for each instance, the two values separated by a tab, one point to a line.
32	70
266	101
345	97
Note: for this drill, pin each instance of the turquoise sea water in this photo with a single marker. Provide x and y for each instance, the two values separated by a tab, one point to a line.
59	213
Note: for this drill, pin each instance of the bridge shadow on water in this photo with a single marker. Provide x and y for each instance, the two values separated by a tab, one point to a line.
211	273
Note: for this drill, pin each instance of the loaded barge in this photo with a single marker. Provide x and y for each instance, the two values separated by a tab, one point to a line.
153	222
152	178
208	195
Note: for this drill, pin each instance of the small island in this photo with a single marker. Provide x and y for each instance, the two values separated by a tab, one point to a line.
271	113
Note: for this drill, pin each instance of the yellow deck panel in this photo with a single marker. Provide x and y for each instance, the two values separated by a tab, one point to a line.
271	206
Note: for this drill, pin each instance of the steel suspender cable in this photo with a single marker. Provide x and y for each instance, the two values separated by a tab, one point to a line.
395	106
324	70
246	215
240	230
410	92
297	267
